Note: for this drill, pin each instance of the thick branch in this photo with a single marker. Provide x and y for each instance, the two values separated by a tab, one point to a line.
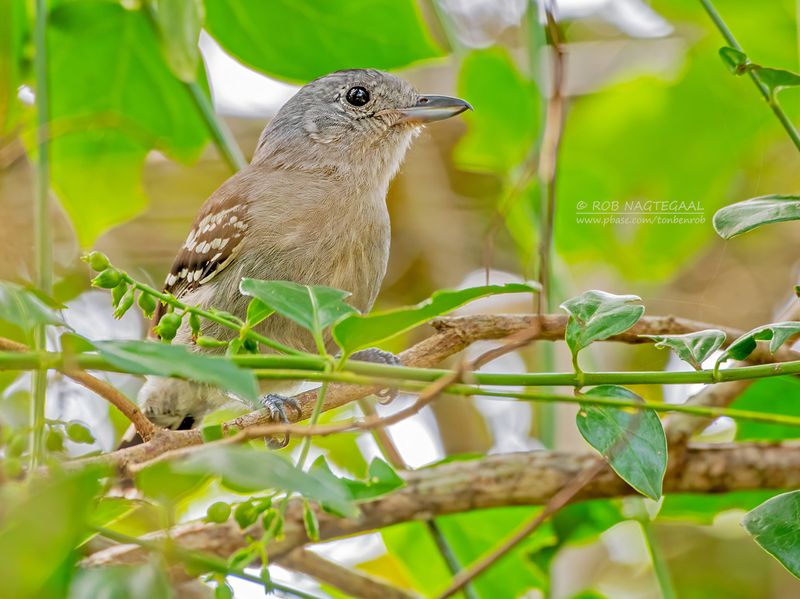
495	481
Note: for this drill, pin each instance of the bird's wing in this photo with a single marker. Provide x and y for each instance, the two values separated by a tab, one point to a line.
212	245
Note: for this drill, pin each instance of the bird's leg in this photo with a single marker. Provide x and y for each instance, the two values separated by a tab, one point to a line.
379	356
276	404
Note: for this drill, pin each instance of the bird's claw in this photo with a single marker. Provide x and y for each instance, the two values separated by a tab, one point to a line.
276	404
379	356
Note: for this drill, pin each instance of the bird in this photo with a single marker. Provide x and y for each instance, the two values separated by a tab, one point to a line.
310	208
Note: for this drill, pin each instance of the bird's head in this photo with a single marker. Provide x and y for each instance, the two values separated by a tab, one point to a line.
351	122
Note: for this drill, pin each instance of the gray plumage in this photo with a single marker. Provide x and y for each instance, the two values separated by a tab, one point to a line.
309	208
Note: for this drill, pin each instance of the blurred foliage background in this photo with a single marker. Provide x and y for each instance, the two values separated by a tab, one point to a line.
652	115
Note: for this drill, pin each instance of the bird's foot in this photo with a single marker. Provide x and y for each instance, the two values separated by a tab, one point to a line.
379	356
276	404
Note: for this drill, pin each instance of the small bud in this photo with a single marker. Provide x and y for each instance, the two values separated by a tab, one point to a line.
245	514
168	326
311	522
147	303
250	345
54	441
269	519
204	341
108	279
118	292
97	261
218	512
78	433
124	304
223	590
194	324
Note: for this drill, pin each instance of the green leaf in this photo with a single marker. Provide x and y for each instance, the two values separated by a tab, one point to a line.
773	395
108	510
166	484
301	40
247	470
776	333
41	525
146	357
775	79
23	308
112	100
633	443
178	25
703	509
147	581
314	307
734	59
742	217
257	311
381	479
359	331
692	348
775	525
504	125
597	315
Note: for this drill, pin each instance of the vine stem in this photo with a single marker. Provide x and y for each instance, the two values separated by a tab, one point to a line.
773	103
659	563
43	234
313	368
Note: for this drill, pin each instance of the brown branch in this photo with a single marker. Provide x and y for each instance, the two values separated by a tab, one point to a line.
111	394
351	582
453	335
531	478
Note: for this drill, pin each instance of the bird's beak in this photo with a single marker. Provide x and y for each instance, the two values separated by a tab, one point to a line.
433	108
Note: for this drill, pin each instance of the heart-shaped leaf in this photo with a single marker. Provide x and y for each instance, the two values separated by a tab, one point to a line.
147	357
359	331
303	40
776	333
692	348
775	525
596	315
314	307
742	217
633	442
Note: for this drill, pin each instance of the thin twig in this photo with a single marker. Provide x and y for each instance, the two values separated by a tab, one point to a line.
130	410
559	500
771	101
548	157
350	581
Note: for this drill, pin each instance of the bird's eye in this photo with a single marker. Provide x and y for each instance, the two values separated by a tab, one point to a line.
357	96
